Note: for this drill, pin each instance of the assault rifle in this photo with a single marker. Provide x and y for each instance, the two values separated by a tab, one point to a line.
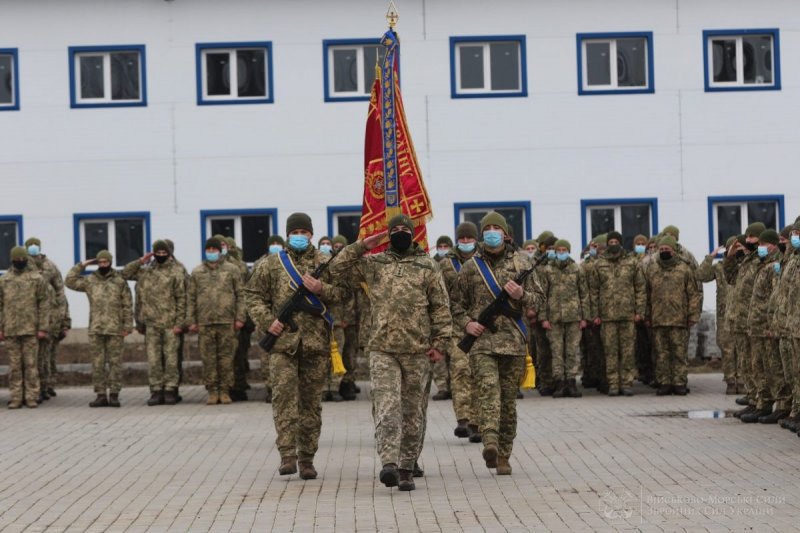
499	306
294	304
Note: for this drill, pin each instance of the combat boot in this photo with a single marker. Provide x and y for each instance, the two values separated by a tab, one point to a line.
503	466
790	423
773	417
113	400
679	390
490	455
43	397
545	391
572	389
740	388
664	390
14	404
288	465
307	470
389	475
462	429
170	397
747	410
558	389
475	433
520	396
356	388
753	416
347	391
178	397
406	482
626	391
224	398
238	395
742	401
156	398
31	404
442	395
100	401
417	472
730	388
51	392
213	398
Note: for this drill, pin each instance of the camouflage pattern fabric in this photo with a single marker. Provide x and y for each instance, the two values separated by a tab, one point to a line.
497	378
23	374
565	339
106	362
110	300
162	358
618	339
215	295
217	342
670	344
24	303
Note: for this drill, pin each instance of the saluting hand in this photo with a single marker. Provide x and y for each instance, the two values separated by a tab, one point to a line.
146	258
371	242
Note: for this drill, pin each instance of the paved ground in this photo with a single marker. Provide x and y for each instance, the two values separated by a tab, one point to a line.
594	464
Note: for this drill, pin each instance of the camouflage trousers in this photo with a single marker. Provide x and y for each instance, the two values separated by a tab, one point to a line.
106	363
264	356
241	360
497	378
465	401
162	358
23	371
645	355
792	345
745	365
770	384
442	374
297	383
45	347
727	351
52	359
619	338
786	351
217	345
565	341
671	347
544	357
399	383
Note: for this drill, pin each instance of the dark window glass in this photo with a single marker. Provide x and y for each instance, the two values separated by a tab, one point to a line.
635	221
757	57
724	59
471	60
504	61
255	232
92	77
129	234
598	66
6	79
8	239
95	238
218	74
631	63
125	76
601	220
515	218
345	70
251	71
348	226
223	226
370	54
766	212
729	222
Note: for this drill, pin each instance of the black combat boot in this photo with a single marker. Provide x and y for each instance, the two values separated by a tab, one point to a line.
679	390
100	401
664	390
730	388
51	392
545	391
462	429
389	475
418	471
742	401
558	389
753	416
347	391
442	395
406	482
156	398
113	399
773	417
170	398
474	433
572	389
747	410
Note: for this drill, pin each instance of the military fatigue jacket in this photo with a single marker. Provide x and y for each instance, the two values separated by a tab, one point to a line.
758	318
410	310
160	293
784	303
740	274
566	293
269	288
110	301
617	288
59	314
215	295
672	295
449	271
24	306
472	296
709	271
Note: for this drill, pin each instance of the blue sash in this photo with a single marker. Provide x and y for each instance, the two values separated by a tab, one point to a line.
456	264
491	284
297	281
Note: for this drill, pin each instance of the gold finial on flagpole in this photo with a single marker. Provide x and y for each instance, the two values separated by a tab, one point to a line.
392	15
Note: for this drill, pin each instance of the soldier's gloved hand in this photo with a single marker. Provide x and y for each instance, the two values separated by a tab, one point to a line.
41	334
434	355
237	325
475	329
276	328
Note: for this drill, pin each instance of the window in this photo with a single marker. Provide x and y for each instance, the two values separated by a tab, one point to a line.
730	215
344	220
738	60
250	228
9	80
349	68
105	76
615	63
125	235
517	215
250	64
488	66
10	236
629	216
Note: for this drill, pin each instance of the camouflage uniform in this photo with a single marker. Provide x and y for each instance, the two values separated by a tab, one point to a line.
672	302
617	291
783	307
707	272
110	318
566	304
771	385
300	360
409	314
740	274
543	350
592	359
57	302
25	308
161	307
497	359
215	302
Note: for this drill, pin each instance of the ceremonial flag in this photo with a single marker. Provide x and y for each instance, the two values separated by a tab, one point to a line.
392	178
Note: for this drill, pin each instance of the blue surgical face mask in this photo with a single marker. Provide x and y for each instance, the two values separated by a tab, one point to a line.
551	254
593	252
776	267
639	248
33	250
795	241
466	247
224	251
275	248
762	251
298	242
562	256
326	249
212	256
493	238
441	252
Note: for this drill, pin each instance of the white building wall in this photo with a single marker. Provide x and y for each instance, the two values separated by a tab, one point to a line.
554	148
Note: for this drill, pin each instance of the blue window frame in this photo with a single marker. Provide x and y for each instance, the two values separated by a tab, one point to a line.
9	79
125	234
488	66
629	216
517	214
107	76
615	63
11	235
250	63
250	228
742	60
730	215
344	220
349	68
